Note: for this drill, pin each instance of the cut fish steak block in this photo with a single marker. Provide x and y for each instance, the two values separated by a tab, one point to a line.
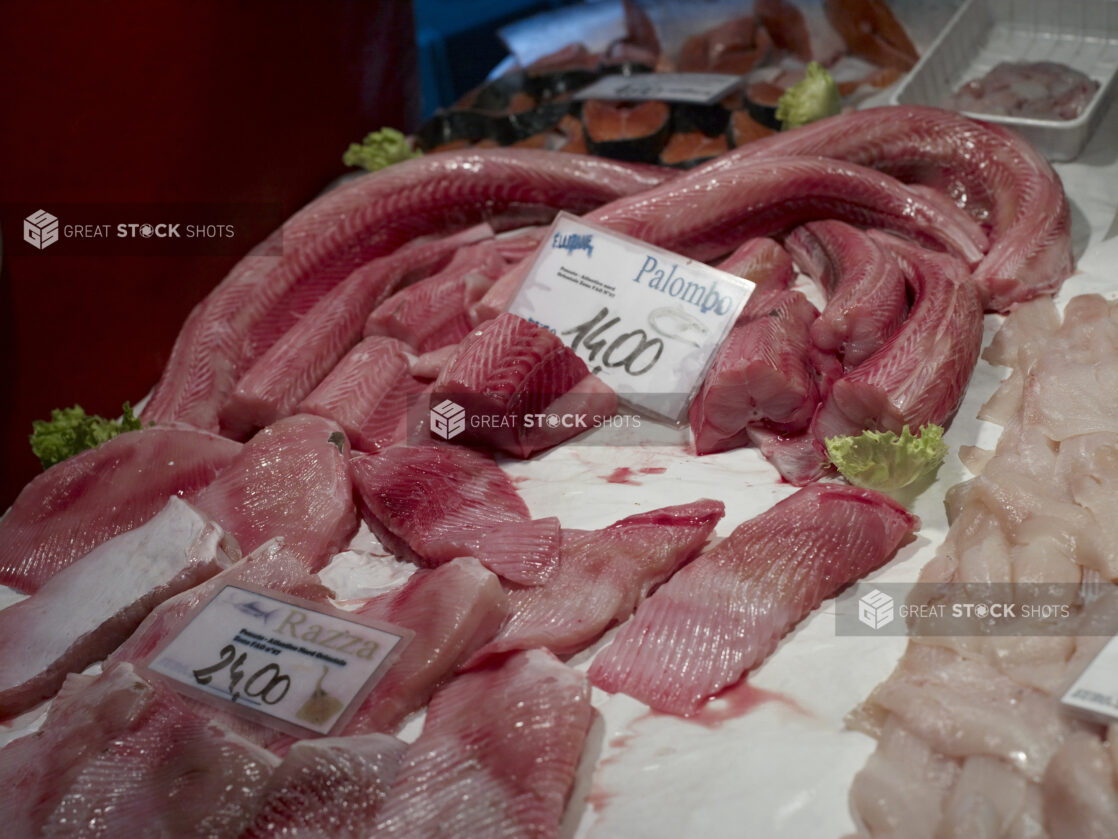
267	292
330	786
723	613
84	611
368	394
454	609
497	755
601	578
87	499
509	369
432	503
118	756
291	480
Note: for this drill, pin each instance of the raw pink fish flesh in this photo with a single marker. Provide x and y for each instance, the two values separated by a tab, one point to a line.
295	364
990	171
432	503
330	786
920	374
601	577
84	611
118	756
291	480
705	217
865	288
368	393
512	371
454	609
81	502
1034	89
319	246
723	613
763	262
497	755
434	312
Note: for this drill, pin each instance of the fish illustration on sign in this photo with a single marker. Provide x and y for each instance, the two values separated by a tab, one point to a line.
253	610
673	322
321	706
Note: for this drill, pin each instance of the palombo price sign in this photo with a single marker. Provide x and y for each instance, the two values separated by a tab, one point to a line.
298	666
645	320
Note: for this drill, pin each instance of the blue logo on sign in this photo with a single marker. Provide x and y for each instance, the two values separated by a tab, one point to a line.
572	242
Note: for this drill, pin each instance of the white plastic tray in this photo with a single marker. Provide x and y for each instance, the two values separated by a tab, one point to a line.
1083	34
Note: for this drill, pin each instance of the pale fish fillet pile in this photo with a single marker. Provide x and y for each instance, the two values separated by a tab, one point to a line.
971	737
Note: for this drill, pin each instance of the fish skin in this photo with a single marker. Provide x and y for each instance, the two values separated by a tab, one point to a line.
511	368
454	609
920	374
429	504
367	393
434	311
763	262
350	226
289	480
497	755
993	173
601	578
76	505
298	361
724	612
704	217
107	740
327	786
85	610
866	296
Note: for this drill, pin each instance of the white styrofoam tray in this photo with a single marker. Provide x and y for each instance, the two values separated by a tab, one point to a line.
1083	34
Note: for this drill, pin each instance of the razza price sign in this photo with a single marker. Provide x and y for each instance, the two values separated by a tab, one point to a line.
300	667
645	320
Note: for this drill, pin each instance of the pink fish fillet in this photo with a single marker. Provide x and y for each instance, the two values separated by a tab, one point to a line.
602	576
85	610
76	505
271	566
990	171
350	226
331	786
291	480
298	361
725	612
497	755
454	609
766	371
920	374
511	370
763	262
706	217
118	756
368	393
432	503
434	312
866	296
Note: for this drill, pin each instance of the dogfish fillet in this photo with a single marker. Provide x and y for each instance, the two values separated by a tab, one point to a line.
430	504
83	612
601	577
725	612
87	499
497	755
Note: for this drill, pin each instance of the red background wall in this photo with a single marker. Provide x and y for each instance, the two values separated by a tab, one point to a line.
163	101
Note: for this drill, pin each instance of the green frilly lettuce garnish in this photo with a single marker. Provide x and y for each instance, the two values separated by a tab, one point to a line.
72	430
883	461
379	149
813	97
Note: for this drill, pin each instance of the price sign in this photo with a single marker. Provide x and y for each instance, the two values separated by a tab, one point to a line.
298	666
645	320
693	88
